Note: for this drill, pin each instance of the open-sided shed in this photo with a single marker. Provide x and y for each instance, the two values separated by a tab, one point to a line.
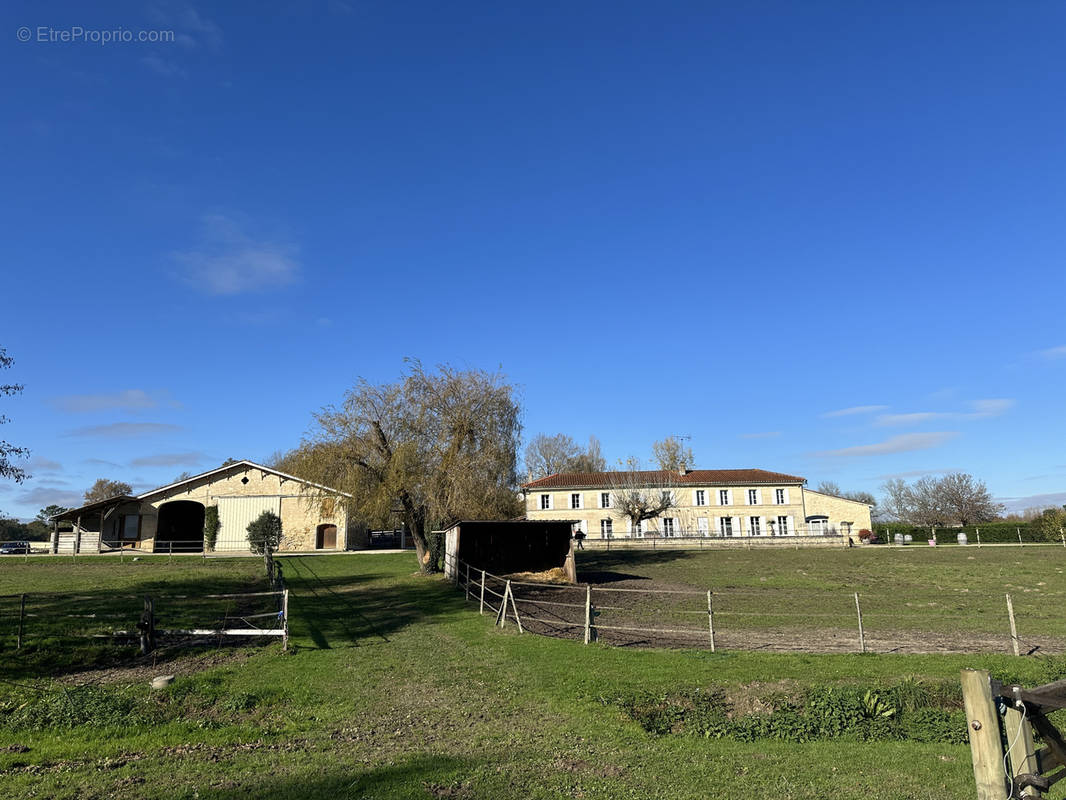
503	547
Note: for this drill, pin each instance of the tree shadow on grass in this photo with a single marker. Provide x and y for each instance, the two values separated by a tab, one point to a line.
345	610
423	776
610	565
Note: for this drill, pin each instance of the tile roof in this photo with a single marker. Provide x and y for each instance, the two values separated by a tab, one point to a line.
694	477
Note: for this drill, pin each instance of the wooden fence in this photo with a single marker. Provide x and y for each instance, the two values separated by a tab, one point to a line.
740	619
47	619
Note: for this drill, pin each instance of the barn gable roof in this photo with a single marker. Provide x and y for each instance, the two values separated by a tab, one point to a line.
241	465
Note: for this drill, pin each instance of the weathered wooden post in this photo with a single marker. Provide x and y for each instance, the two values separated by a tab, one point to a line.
481	602
285	620
147	626
978	536
1022	750
22	621
467	581
170	555
862	634
1013	627
710	619
588	614
1019	530
982	725
501	615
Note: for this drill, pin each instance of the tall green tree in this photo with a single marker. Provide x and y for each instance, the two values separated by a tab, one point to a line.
9	451
104	489
432	448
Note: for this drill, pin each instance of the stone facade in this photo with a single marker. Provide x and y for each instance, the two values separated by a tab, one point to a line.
772	505
304	509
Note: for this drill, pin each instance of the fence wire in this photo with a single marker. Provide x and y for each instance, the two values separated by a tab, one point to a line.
787	620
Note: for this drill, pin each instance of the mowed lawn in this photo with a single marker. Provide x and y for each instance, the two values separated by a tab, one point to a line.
396	688
921	588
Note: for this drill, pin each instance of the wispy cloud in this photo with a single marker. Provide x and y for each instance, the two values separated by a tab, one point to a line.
982	409
191	28
169	460
128	400
46	464
904	443
125	430
847	412
917	473
1053	353
167	67
229	261
42	496
764	435
1052	499
100	462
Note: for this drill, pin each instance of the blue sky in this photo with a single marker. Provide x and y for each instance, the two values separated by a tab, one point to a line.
820	238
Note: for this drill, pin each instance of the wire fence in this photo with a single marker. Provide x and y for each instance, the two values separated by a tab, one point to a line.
792	620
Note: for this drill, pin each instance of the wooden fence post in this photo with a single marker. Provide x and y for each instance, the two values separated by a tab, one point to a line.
710	619
862	634
1019	530
22	621
1022	750
147	626
467	581
982	725
1013	627
285	620
501	615
978	536
588	614
481	603
170	555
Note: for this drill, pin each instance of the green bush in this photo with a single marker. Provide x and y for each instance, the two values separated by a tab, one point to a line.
909	710
211	526
264	533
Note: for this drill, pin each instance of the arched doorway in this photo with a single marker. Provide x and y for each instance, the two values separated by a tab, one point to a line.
326	537
181	527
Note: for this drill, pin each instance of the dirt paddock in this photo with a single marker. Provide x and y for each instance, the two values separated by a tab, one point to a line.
632	611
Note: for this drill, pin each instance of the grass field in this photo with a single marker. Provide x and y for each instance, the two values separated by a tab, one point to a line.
396	688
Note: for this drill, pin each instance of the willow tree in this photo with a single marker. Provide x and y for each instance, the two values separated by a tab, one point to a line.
433	448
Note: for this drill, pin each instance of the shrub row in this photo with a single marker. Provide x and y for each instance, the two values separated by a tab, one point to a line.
910	710
991	533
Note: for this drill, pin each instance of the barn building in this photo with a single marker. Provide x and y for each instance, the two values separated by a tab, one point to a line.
503	547
171	518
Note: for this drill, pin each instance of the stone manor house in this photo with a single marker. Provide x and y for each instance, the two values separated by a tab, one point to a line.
707	502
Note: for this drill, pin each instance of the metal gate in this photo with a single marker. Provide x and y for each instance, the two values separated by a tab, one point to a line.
234	516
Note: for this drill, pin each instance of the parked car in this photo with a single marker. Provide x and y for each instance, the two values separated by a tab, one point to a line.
14	548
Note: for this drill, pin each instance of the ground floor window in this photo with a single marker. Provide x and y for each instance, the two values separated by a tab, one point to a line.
782	526
725	526
606	528
668	526
755	526
701	526
818	526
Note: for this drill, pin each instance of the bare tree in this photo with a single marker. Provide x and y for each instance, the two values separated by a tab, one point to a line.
432	448
591	460
967	500
104	489
548	455
8	450
828	487
640	495
672	455
953	498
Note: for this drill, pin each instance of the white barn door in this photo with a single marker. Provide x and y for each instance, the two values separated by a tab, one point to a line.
234	516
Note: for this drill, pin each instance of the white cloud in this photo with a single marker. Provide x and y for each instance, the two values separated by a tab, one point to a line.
166	67
1053	353
1053	499
904	443
982	409
125	430
191	28
230	262
847	412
